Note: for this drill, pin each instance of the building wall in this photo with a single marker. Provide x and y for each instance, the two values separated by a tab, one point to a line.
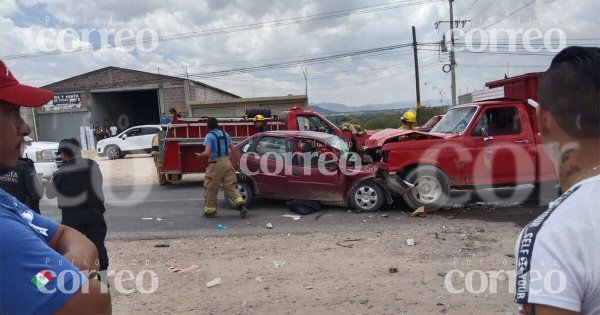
200	93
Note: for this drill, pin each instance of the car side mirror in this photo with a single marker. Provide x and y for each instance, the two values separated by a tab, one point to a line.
124	137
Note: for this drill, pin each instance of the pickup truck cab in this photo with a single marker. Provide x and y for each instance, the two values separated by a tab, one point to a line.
477	145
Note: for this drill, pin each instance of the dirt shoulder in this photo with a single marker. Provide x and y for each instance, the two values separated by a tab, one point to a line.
321	273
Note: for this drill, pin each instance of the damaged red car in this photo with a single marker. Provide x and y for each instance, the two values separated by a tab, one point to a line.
311	166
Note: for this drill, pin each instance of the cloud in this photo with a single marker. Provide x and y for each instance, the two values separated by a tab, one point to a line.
378	78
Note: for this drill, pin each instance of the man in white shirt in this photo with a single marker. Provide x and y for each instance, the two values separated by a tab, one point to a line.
558	254
113	130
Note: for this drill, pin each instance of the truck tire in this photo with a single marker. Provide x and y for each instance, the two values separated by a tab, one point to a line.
366	197
113	152
252	112
247	193
431	188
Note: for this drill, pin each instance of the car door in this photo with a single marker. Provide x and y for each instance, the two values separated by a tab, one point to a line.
503	148
130	140
312	178
146	137
265	162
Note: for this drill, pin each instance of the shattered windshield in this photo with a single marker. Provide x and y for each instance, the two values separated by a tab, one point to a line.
339	144
456	120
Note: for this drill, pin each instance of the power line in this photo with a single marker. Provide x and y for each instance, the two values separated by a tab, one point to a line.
297	62
240	28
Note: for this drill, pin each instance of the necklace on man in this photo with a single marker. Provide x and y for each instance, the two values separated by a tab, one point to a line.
587	173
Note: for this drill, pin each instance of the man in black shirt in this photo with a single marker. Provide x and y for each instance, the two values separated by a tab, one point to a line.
78	185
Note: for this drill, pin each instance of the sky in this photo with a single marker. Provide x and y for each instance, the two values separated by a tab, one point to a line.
354	52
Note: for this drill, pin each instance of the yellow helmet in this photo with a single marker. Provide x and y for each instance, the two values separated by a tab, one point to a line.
259	117
409	117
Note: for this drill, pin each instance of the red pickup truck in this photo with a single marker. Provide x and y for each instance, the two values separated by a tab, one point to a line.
185	136
491	142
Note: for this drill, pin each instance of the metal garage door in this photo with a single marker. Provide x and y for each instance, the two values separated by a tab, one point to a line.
58	126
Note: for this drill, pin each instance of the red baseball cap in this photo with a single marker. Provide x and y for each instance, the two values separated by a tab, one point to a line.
11	91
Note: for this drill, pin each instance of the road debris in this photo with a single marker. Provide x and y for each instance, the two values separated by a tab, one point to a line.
278	264
221	226
420	212
147	218
162	245
308	288
158	219
213	283
318	216
393	270
179	270
295	217
410	241
385	215
348	240
510	255
258	279
269	225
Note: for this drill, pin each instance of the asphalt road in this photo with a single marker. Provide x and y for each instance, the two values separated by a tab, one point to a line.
154	212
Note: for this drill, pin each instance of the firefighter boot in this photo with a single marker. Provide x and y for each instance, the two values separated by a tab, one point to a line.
210	212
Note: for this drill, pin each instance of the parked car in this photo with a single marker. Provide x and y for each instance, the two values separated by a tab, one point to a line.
136	139
43	155
430	123
289	175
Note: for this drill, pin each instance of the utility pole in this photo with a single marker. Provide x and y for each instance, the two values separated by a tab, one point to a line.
452	59
305	73
417	85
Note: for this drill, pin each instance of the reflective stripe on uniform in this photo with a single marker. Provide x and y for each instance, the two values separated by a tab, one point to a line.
210	210
239	201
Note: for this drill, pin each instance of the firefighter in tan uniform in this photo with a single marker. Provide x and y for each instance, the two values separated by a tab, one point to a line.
162	180
220	171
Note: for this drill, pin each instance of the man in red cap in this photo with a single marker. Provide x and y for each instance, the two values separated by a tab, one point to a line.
44	265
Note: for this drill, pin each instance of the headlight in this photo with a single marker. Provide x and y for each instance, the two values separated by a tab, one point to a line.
45	155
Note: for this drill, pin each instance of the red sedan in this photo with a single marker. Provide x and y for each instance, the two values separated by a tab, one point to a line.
311	166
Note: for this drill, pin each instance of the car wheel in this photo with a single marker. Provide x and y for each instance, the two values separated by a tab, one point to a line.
431	188
113	152
366	197
246	191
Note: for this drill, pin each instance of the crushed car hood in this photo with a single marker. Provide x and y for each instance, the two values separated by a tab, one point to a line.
384	136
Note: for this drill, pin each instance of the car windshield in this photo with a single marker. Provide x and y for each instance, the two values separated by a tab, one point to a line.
456	120
339	144
429	122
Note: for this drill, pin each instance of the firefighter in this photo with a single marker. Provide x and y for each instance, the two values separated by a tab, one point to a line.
78	185
220	171
408	120
162	179
260	124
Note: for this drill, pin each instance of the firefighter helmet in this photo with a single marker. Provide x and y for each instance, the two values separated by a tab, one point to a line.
259	118
409	117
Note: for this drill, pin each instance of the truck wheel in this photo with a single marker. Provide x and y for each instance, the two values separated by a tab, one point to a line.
366	197
252	112
431	188
246	192
113	152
